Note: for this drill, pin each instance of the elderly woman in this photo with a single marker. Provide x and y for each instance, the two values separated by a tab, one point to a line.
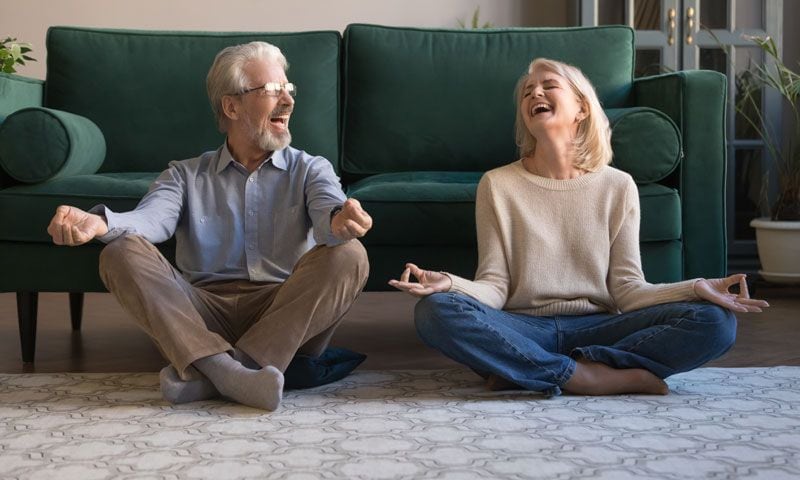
559	300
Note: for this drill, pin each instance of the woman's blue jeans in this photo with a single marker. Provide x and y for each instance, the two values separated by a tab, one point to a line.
538	353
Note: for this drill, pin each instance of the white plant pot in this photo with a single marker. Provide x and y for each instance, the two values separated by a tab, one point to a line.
778	249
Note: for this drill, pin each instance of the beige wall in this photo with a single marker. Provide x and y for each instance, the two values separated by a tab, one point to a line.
28	20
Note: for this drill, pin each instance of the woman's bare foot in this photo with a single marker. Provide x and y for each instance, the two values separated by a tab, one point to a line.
594	378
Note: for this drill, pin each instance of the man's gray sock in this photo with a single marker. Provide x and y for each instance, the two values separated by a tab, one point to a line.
255	388
245	359
175	390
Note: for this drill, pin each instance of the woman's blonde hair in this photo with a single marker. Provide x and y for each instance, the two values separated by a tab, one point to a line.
593	141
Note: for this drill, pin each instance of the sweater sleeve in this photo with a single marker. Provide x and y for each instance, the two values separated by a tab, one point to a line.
625	280
492	276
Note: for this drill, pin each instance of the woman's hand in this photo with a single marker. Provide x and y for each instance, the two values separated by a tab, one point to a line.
717	291
428	281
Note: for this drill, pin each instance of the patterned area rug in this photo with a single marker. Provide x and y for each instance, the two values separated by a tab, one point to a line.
716	423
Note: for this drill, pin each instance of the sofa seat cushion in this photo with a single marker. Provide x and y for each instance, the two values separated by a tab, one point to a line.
437	208
661	213
419	208
26	210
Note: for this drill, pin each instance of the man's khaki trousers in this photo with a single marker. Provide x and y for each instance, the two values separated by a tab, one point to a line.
270	322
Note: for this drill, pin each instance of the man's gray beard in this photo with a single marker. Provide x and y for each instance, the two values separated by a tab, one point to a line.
266	140
269	142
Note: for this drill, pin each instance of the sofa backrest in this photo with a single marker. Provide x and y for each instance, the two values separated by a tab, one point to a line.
421	99
146	90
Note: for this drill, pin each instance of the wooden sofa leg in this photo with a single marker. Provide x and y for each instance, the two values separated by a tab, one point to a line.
27	306
76	309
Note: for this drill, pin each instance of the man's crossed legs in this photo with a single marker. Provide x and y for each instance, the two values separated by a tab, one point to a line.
238	335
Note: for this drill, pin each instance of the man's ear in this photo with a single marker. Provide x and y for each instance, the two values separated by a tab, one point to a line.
230	107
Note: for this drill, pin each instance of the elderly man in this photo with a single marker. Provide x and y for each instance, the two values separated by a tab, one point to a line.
266	256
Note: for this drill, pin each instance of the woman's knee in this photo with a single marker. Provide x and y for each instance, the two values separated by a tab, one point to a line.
443	316
433	315
719	325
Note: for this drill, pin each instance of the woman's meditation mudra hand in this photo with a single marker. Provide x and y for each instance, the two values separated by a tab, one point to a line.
428	282
717	291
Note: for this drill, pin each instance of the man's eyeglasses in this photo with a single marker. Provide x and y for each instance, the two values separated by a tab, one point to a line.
273	89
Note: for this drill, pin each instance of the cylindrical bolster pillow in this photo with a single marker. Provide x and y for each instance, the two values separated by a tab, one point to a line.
38	144
645	141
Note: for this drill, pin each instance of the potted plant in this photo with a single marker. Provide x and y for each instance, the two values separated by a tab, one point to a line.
777	235
13	53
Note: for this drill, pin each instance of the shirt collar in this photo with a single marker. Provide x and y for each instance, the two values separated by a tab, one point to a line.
278	158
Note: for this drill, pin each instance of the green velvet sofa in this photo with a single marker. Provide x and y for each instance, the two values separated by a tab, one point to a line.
410	118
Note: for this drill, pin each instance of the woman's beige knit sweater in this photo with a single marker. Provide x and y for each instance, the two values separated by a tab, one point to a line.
561	247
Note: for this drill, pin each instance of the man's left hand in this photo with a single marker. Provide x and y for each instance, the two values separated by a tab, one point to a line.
351	221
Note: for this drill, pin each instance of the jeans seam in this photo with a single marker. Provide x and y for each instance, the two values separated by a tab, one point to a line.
560	377
635	346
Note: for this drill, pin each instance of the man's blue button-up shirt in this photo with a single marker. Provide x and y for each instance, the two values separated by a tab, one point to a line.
231	224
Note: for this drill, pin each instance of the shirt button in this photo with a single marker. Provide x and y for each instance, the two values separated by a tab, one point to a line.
251	179
252	212
252	246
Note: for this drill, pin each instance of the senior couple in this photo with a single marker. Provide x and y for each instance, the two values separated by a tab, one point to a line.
268	260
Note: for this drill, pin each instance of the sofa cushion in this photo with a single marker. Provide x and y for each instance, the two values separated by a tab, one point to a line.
646	143
26	210
146	90
334	364
38	144
419	208
662	262
443	100
661	213
438	209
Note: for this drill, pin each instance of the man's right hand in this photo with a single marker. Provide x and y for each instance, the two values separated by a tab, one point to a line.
72	226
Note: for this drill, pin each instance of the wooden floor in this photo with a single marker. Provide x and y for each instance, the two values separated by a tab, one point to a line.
379	324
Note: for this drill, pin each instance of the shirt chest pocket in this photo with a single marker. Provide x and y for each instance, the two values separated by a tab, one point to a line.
214	231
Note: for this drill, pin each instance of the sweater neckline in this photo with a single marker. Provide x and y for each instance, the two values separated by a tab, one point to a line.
554	184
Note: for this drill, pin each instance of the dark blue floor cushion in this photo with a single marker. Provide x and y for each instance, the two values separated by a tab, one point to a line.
334	364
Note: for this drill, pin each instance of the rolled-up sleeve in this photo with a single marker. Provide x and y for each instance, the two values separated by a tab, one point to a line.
323	194
156	216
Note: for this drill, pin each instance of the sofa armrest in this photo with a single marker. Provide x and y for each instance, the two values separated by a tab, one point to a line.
695	100
18	92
